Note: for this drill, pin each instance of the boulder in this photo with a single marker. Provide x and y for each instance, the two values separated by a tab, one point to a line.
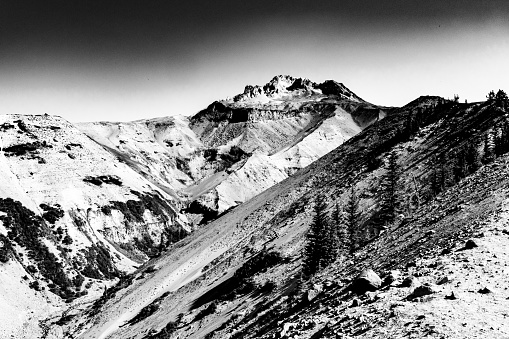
410	281
313	292
366	281
484	290
444	280
286	328
470	244
422	291
452	296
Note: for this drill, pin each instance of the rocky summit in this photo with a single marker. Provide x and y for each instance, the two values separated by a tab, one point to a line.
293	210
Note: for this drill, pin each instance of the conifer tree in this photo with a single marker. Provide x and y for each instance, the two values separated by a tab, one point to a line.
352	221
409	127
491	96
329	245
498	142
501	99
473	155
504	138
436	186
489	148
389	187
300	283
316	243
461	166
447	171
343	241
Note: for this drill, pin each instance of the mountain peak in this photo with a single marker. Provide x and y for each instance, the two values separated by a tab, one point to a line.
282	85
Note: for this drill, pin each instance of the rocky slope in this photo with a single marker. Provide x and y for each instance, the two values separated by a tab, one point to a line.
239	276
72	219
237	148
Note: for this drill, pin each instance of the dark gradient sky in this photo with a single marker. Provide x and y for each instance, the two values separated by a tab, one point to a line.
124	60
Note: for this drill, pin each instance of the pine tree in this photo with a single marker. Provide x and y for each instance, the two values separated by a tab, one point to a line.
504	138
498	141
501	99
461	166
329	245
316	243
300	283
389	186
491	96
343	241
352	221
473	156
436	186
447	171
489	148
409	127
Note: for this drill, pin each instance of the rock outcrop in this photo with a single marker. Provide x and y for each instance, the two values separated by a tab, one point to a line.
366	281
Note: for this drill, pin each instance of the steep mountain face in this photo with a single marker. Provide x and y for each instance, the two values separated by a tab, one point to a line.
72	218
239	276
236	148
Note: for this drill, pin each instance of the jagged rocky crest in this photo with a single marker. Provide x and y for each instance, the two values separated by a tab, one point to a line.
285	85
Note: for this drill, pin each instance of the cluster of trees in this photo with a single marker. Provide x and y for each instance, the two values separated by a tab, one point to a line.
331	235
338	233
500	98
451	167
328	236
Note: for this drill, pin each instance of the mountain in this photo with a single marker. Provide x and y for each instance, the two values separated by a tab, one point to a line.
196	227
441	259
73	217
83	206
236	148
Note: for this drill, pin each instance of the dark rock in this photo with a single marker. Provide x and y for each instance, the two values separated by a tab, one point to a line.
356	302
411	264
485	290
367	280
421	291
444	280
470	244
452	296
410	281
445	251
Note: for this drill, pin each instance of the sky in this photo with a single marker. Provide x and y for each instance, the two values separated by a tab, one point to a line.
121	60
